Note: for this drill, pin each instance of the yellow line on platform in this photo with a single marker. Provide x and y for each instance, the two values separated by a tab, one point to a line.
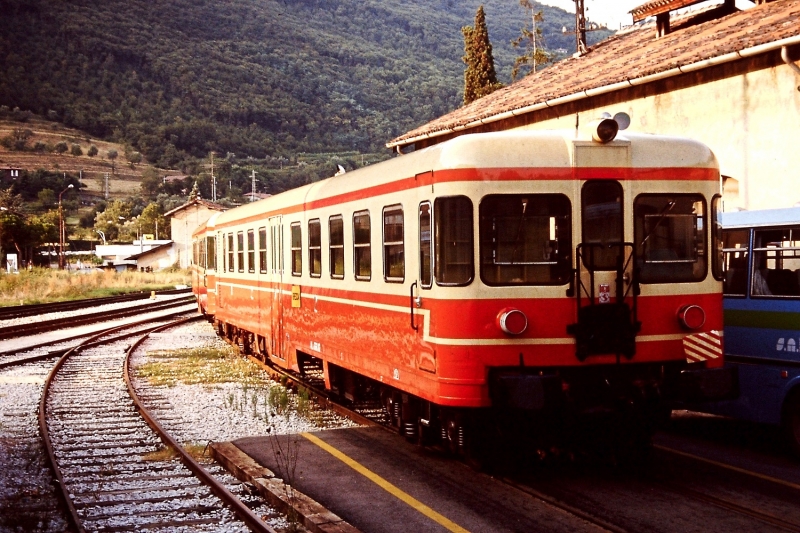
730	467
385	485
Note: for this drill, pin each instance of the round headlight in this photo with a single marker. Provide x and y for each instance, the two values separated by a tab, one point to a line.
691	317
512	321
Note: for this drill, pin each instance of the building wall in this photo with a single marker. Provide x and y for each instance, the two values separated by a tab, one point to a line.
183	223
751	121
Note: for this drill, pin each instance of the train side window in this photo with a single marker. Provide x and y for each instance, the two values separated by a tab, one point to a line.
297	249
336	246
251	251
240	250
776	262
735	259
230	252
454	261
394	264
525	239
362	249
211	252
262	250
425	246
314	249
670	237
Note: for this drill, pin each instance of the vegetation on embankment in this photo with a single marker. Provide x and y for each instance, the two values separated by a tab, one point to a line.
42	285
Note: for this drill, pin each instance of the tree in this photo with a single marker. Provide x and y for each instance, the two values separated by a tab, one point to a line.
92	151
480	78
112	155
152	218
532	42
112	220
61	148
76	150
47	197
151	182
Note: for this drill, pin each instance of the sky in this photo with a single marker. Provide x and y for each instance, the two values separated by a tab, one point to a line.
612	13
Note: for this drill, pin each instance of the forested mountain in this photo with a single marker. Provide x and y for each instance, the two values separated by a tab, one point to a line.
176	79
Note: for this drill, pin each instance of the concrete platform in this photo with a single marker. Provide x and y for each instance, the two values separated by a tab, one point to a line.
369	480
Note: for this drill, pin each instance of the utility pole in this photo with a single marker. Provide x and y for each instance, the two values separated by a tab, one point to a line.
253	187
213	181
580	27
106	185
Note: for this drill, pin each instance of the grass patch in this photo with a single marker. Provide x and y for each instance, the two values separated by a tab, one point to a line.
190	366
164	454
42	285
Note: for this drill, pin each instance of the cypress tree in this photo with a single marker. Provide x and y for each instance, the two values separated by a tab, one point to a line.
480	78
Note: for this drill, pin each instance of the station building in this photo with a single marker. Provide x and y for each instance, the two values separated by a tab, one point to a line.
724	76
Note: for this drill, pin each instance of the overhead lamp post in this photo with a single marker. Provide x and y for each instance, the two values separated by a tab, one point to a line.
61	236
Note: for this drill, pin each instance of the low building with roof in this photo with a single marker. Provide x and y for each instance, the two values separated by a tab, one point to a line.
184	220
726	77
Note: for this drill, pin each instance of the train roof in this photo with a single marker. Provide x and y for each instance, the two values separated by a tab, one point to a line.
505	149
761	218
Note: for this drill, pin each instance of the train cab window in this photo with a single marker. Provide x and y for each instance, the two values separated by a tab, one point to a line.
776	262
362	249
314	248
251	251
336	246
525	239
454	262
297	249
394	263
602	227
211	252
240	251
230	252
670	237
262	250
735	259
425	246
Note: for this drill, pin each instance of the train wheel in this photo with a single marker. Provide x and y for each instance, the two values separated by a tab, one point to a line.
791	421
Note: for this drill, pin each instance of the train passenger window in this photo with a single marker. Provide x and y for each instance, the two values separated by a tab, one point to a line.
262	250
251	251
525	239
211	252
735	261
454	264
362	249
297	249
394	263
240	250
670	237
201	252
776	262
425	244
230	252
314	249
716	239
336	246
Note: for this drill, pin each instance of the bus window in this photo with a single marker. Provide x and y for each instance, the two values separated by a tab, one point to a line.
525	239
670	237
776	262
735	258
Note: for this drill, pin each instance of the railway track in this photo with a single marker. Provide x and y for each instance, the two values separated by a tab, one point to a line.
115	471
22	330
21	311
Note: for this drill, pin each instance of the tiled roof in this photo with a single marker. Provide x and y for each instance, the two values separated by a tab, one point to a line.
630	57
196	201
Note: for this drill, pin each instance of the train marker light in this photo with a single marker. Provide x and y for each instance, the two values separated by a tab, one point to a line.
512	321
691	317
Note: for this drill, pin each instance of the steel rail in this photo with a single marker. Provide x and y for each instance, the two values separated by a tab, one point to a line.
241	510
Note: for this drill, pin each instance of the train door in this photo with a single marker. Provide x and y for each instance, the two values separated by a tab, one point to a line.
605	288
276	268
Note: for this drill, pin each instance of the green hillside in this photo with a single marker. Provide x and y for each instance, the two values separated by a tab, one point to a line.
259	78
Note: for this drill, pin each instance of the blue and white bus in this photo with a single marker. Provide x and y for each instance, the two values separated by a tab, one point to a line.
761	251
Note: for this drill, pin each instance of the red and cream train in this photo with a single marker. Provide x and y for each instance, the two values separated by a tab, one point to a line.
524	279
